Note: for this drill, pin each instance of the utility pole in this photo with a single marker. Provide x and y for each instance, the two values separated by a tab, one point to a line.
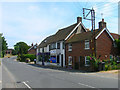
92	19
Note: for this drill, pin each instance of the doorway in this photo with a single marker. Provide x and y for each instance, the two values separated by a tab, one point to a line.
62	60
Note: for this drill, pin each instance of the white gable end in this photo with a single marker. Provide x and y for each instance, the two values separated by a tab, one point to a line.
80	23
105	29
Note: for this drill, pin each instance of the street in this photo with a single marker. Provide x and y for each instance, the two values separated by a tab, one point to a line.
21	75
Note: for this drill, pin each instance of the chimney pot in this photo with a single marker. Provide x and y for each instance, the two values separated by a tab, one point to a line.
32	44
103	20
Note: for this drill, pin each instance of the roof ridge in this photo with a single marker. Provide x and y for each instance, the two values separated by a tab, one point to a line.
67	26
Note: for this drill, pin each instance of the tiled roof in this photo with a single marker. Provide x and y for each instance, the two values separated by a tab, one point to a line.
32	47
82	36
45	41
60	35
115	36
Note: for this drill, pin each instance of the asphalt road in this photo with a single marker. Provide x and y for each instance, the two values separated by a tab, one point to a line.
20	75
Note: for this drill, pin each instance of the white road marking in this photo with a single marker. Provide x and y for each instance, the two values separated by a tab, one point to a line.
27	85
86	85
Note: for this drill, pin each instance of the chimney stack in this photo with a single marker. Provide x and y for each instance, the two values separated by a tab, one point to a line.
102	24
79	19
32	44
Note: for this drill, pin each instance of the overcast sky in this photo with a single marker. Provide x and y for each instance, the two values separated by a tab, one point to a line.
33	20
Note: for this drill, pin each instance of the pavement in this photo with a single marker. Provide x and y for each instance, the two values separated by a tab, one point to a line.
22	75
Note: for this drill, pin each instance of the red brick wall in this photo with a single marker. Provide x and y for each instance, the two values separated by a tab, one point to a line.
32	51
104	46
78	49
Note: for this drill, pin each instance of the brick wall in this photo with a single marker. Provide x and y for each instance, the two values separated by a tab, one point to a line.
32	51
104	46
78	49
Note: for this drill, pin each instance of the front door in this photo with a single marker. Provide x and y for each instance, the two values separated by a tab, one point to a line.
58	59
62	60
79	61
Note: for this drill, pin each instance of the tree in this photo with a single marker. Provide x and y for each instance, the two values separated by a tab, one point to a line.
0	45
118	44
4	45
21	48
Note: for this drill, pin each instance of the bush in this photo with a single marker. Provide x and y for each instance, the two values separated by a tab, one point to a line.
106	67
109	67
22	58
18	58
30	56
94	62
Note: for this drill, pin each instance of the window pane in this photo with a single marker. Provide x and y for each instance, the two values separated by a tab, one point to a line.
86	44
58	45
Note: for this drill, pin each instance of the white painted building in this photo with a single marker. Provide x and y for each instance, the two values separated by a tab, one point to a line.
54	45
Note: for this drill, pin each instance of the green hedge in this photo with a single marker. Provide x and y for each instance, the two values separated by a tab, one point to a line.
112	67
23	57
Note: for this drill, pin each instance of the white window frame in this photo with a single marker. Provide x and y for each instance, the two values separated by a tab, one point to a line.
87	42
69	47
86	61
69	57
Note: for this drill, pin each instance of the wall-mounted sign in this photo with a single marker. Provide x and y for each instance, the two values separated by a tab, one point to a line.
53	59
54	52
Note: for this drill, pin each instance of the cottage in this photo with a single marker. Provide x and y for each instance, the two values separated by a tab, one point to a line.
52	48
8	52
32	49
79	45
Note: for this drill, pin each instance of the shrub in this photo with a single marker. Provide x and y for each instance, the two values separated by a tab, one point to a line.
106	67
109	67
22	58
18	58
118	66
94	62
30	56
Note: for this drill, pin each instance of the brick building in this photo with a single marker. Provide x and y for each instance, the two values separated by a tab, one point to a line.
9	51
79	45
32	49
54	46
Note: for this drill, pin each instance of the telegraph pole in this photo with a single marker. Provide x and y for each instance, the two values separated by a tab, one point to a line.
92	19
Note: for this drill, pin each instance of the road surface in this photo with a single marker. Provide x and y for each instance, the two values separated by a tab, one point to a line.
21	75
